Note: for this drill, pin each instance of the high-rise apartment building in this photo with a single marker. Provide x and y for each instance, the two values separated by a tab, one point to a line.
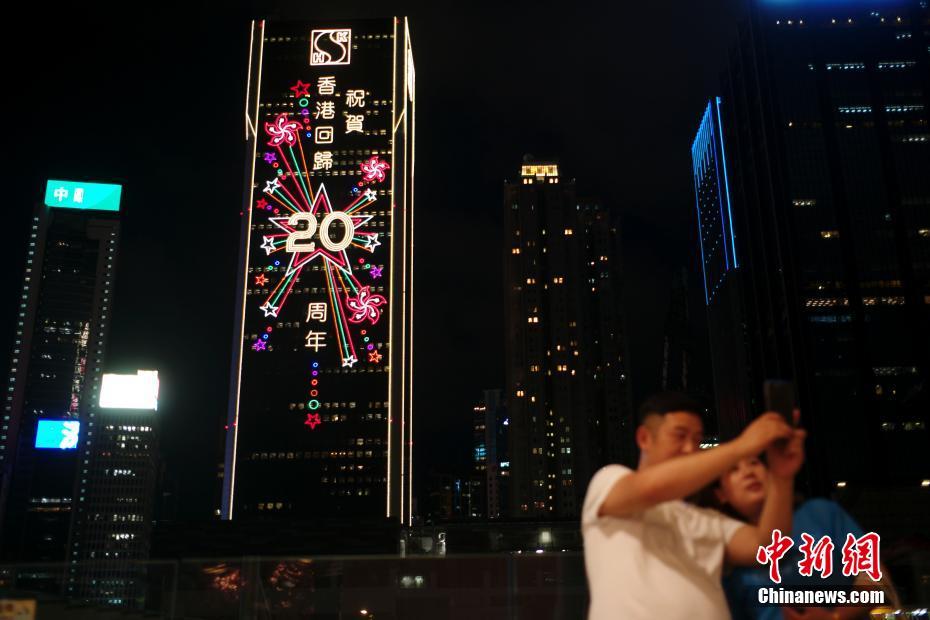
320	409
567	382
820	137
56	367
490	454
111	531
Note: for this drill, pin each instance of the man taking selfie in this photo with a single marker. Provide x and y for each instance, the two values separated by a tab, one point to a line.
648	554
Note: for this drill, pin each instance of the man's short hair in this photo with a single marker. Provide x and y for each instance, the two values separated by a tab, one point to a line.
667	402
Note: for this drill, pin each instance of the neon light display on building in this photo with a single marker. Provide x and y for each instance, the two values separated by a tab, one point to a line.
321	381
712	196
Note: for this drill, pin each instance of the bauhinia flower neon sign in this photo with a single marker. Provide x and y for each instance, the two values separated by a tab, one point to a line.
282	131
373	169
365	306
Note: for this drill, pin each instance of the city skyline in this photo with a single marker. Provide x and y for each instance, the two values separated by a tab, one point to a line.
192	347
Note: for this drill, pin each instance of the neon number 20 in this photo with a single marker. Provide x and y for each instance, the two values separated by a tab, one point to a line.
299	240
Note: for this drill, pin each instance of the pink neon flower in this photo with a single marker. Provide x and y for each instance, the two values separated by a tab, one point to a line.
282	130
365	306
374	168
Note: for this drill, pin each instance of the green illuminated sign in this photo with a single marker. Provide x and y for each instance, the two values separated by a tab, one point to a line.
76	195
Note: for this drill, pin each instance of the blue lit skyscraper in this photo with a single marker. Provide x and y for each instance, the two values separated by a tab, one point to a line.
825	111
720	269
712	193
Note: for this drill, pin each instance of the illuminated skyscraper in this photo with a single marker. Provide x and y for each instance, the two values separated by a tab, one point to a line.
320	409
824	116
64	313
491	463
111	532
720	266
567	388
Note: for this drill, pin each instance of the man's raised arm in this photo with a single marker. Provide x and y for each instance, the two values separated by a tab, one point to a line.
679	477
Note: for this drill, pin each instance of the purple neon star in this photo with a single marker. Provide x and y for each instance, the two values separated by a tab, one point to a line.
376	272
259	345
271	157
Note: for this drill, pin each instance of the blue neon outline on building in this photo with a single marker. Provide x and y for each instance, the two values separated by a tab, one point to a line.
709	156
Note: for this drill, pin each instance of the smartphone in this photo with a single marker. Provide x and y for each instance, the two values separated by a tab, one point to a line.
779	397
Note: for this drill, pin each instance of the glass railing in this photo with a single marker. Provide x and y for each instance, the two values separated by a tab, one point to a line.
500	586
487	587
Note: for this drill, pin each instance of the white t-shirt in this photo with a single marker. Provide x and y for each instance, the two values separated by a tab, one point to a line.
664	562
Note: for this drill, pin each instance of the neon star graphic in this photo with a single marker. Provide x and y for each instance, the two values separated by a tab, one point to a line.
259	345
268	245
321	208
375	357
269	310
271	185
270	157
376	272
313	420
372	242
261	280
370	194
300	89
349	362
261	203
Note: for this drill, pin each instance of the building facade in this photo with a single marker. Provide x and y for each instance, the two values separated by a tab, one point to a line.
567	391
320	418
824	115
56	362
490	454
112	526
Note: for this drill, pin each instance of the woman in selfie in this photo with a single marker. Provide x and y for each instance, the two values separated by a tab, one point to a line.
741	494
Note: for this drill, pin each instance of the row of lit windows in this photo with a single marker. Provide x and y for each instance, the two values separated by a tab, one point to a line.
318	454
830	302
366	37
277	230
291	103
867	109
118	472
350	479
849	20
894	371
551	180
915	425
314	267
308	290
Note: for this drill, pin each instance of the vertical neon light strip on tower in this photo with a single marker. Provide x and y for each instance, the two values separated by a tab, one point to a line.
251	134
712	200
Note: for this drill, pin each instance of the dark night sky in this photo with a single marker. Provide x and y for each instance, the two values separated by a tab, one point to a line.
152	96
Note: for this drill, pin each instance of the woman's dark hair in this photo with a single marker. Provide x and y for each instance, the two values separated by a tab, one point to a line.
707	497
